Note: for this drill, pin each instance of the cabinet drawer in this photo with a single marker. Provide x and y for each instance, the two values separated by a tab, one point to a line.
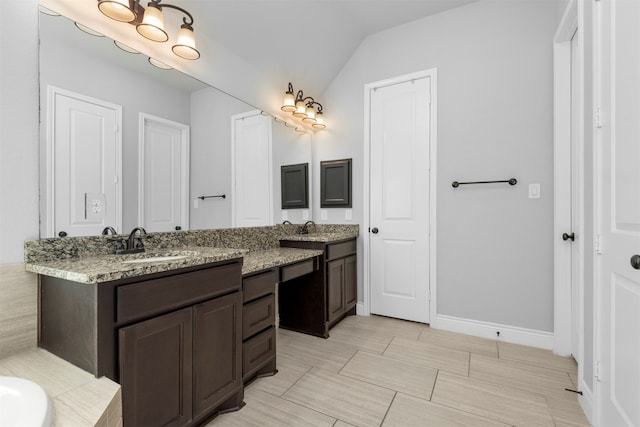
258	315
296	270
155	296
257	351
342	249
259	285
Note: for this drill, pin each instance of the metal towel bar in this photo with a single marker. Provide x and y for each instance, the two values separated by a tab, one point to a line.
511	181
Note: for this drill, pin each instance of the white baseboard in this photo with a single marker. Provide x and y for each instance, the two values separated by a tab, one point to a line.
510	334
360	311
586	402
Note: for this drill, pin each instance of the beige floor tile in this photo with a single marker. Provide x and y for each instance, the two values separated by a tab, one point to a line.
55	375
574	378
567	412
289	371
352	401
461	342
536	356
341	423
380	327
265	410
522	375
317	352
498	402
361	341
432	356
91	400
393	374
410	411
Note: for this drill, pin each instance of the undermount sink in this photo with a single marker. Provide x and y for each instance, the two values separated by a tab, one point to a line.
160	257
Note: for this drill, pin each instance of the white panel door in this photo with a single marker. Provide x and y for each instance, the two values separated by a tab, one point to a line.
164	174
399	203
618	348
84	164
253	182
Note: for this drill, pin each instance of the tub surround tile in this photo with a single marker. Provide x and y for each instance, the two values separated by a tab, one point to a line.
18	309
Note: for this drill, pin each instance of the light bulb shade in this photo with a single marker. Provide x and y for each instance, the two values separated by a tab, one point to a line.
120	10
319	124
311	115
301	110
185	46
152	26
289	103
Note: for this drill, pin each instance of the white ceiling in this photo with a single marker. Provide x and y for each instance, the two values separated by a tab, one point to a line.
306	42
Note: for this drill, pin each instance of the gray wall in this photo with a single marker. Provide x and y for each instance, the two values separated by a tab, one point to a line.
494	61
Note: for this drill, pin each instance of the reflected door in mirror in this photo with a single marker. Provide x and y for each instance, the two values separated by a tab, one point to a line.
83	146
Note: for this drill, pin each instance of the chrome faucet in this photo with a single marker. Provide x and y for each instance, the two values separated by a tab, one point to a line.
305	228
133	244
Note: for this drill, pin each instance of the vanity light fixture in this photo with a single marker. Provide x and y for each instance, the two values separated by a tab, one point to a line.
159	64
308	110
149	23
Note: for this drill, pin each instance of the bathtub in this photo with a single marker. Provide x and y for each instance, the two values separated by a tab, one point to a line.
23	403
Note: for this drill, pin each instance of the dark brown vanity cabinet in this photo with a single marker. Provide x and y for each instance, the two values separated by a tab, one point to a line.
258	325
172	340
316	302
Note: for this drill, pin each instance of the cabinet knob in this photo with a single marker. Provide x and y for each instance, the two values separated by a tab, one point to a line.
635	262
62	234
178	228
566	237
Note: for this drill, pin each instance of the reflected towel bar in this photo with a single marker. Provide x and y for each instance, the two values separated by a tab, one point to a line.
221	196
456	184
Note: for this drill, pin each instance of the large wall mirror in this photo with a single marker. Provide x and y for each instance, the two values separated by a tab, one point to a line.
172	143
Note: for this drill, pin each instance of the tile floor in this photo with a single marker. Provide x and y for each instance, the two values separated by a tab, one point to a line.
375	371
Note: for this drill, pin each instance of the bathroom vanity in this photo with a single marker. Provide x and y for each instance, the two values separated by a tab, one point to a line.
183	328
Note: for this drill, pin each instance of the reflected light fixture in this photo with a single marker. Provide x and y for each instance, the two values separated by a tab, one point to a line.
308	110
149	23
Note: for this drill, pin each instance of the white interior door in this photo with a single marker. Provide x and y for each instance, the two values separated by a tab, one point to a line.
618	340
84	190
399	200
252	179
163	174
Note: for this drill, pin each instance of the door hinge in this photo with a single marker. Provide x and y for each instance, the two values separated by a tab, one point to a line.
598	118
597	244
597	370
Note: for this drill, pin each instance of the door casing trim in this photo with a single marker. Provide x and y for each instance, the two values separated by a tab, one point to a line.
364	308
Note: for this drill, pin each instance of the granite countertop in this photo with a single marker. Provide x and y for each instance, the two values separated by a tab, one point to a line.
270	258
320	237
105	268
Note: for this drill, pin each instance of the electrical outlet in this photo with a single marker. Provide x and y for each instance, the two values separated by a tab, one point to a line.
348	215
285	215
323	214
95	205
305	215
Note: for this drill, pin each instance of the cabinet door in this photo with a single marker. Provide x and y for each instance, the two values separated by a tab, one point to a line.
155	371
350	281
217	351
335	288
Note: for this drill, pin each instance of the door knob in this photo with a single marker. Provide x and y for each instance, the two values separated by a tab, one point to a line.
374	230
62	234
635	262
566	237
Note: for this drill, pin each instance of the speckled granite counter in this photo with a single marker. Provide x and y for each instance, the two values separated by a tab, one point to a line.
321	237
105	268
270	258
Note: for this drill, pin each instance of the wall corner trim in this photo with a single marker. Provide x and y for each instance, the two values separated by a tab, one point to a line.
510	334
360	309
586	402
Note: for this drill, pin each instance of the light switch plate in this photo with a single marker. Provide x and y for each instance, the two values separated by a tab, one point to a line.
534	191
95	206
348	215
285	215
305	215
323	214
